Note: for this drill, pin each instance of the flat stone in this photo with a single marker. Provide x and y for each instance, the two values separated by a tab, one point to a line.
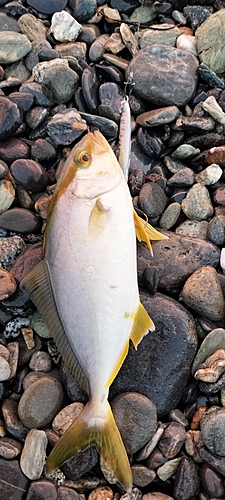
20	221
160	35
97	48
65	493
136	418
179	257
168	469
81	463
40	402
212	368
32	27
108	127
33	454
13	483
154	369
164	75
210	175
172	439
7	195
198	291
195	229
13	149
64	128
40	361
185	177
216	155
216	230
185	151
218	463
12	422
13	348
13	46
211	106
156	496
75	49
212	428
197	205
39	325
111	98
210	41
65	417
30	174
170	216
158	117
4	369
211	481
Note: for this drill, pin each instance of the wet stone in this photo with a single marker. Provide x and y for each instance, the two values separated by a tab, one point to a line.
10	117
13	149
162	35
139	411
30	175
33	454
171	71
24	101
152	199
42	151
198	291
216	155
90	84
150	142
158	117
97	48
197	205
40	402
12	422
187	483
43	490
153	373
138	159
20	221
62	127
212	428
218	463
74	49
209	175
172	439
35	89
13	483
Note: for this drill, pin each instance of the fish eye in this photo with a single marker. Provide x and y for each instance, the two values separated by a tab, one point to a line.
83	159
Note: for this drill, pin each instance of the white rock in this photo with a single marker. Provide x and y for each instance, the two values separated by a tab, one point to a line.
40	68
33	454
209	175
4	369
64	27
7	195
188	43
213	108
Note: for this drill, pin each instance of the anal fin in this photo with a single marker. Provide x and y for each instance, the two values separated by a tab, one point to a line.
38	284
142	323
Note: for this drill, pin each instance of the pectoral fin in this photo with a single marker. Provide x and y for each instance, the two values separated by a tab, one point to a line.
38	285
142	323
145	232
98	219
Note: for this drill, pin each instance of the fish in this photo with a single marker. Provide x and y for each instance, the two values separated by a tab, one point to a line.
86	289
144	231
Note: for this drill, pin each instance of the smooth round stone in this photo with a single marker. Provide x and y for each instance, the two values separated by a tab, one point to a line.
142	476
83	10
59	83
40	361
209	37
42	151
13	46
7	284
7	195
172	439
30	175
185	177
197	205
209	175
40	402
62	127
27	260
65	493
66	417
213	341
97	48
158	117
44	490
187	42
136	418
39	325
90	85
164	75
187	480
89	34
9	448
195	229
12	480
4	369
13	149
170	216
152	199
198	291
47	7
33	454
36	116
211	481
216	230
32	27
10	117
20	220
24	101
185	151
212	429
156	496
64	27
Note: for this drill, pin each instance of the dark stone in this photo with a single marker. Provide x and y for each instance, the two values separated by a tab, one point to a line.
12	149
212	387
83	9
110	73
43	151
185	177
136	181
20	220
33	57
196	14
36	116
205	141
126	6
211	481
187	482
42	490
172	439
180	256
35	89
74	391
108	127
15	9
150	142
152	199
156	459
47	7
218	463
160	367
212	428
24	100
59	83
89	34
210	77
10	117
90	85
194	124
136	419
81	463
152	277
30	175
65	493
164	75
216	230
62	127
111	97
7	23
138	159
13	484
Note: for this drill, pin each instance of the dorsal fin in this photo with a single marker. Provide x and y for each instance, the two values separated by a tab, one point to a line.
38	284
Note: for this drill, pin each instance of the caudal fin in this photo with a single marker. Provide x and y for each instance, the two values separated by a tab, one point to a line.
90	429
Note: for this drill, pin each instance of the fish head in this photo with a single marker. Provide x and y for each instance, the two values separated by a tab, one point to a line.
91	169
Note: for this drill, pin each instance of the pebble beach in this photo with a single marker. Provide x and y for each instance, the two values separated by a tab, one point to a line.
65	68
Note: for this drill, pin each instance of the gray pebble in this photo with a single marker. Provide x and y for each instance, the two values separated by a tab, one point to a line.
40	361
59	83
62	127
197	205
152	199
13	483
33	454
172	439
43	490
142	476
187	482
4	369
213	430
195	229
10	248
170	216
185	177
216	230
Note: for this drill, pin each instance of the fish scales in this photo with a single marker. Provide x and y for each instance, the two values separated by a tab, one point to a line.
86	288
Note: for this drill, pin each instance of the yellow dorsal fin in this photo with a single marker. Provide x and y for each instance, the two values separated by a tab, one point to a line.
145	232
142	323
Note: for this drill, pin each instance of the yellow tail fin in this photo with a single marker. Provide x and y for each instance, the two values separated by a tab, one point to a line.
90	429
